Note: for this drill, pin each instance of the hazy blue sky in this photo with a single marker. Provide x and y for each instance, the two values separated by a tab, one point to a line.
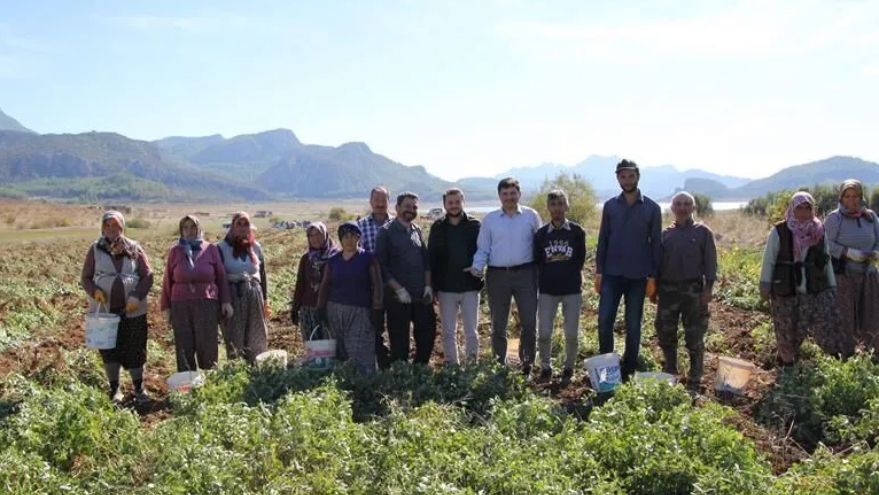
462	87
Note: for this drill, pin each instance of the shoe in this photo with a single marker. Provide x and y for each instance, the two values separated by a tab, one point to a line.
526	373
546	374
116	396
141	396
567	375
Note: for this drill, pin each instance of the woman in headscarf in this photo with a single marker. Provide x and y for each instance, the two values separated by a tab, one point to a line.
245	333
193	292
853	233
308	279
117	277
350	298
797	277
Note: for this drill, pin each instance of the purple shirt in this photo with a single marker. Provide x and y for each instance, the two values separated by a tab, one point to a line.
350	281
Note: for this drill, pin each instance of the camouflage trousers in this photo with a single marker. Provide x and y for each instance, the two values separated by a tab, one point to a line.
681	302
795	317
858	303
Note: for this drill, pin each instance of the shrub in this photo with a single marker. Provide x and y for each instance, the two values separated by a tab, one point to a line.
338	214
138	223
704	208
581	197
774	205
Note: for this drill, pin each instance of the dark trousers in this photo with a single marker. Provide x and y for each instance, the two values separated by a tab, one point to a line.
521	285
382	353
423	320
196	333
614	288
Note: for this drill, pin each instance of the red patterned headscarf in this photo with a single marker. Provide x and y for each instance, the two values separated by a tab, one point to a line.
241	238
808	232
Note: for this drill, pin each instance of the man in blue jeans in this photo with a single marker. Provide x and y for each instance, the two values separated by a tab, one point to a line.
626	262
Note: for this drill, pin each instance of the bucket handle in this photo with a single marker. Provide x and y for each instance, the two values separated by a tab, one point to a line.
311	336
101	305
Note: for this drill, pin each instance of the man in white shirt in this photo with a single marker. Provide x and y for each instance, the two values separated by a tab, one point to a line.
505	249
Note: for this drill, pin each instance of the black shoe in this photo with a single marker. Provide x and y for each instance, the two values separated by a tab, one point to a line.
546	374
567	375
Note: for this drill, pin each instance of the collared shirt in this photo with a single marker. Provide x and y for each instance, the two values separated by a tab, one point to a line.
560	254
402	253
369	227
629	240
566	225
506	240
688	253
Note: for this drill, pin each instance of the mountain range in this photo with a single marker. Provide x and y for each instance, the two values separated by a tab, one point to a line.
275	165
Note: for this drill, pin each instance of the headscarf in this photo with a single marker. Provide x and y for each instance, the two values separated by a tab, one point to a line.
807	233
349	228
327	250
242	246
862	211
191	246
121	245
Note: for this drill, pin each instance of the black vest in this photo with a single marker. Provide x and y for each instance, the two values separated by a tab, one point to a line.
788	273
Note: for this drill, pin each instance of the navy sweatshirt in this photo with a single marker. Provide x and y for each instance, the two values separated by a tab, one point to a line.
560	255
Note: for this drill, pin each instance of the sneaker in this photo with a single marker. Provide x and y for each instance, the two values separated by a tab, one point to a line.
546	374
141	396
567	375
526	373
116	396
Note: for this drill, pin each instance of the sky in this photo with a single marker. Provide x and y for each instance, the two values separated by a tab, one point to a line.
463	87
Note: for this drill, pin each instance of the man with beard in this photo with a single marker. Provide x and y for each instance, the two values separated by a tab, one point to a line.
403	255
627	261
369	226
506	246
451	247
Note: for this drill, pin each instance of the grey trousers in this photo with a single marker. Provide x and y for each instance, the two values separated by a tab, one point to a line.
547	307
521	285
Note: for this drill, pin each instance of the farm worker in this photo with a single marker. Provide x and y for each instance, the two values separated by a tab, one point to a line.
505	250
798	278
450	247
350	298
308	279
684	287
853	233
379	197
402	254
245	333
194	292
626	262
560	253
117	276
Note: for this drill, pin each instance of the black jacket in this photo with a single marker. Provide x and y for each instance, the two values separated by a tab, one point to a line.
437	249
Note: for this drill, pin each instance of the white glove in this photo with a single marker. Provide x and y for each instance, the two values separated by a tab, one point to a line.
855	255
428	293
403	296
166	314
228	311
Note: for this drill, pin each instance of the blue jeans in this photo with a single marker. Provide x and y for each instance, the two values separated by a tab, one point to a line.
613	288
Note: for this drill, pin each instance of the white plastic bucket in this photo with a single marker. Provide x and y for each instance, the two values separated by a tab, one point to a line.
278	357
321	353
655	376
732	375
101	329
184	381
604	372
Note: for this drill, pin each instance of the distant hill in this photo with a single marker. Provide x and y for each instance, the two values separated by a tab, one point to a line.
7	123
657	181
830	170
264	166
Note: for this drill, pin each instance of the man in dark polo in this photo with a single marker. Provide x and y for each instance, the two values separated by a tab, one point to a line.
402	252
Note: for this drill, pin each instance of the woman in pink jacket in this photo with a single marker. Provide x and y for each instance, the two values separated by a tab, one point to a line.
193	292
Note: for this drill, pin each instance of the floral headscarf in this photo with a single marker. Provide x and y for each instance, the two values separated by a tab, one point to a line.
806	233
120	246
862	211
242	245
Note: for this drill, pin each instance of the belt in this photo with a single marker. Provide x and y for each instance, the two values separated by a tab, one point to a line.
511	268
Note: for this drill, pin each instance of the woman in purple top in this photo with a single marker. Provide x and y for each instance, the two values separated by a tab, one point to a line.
351	286
193	290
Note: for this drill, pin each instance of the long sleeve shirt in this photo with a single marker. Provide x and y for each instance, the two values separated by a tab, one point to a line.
506	240
369	227
205	280
629	239
688	253
116	298
560	254
403	256
845	233
307	284
770	256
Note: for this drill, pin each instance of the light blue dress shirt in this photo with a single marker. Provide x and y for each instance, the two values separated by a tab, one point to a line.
506	240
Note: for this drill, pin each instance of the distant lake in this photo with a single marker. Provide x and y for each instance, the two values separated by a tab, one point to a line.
718	206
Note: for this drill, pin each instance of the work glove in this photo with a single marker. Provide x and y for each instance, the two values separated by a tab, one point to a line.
856	255
100	297
428	294
651	288
132	305
267	311
403	295
228	311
